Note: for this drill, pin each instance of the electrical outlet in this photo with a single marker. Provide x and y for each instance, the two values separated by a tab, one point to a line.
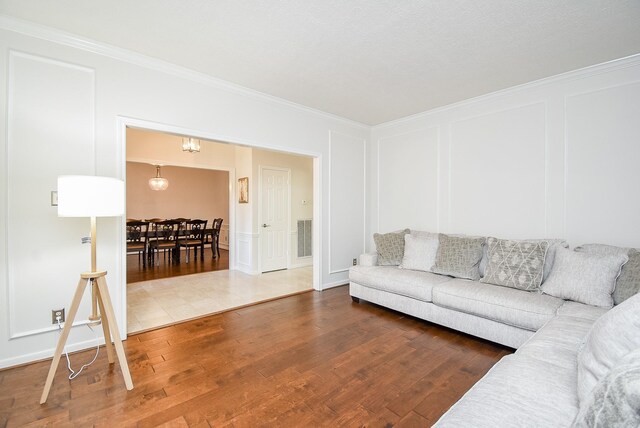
55	313
355	262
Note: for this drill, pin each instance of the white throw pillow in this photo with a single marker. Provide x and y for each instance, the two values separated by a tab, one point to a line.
612	336
419	253
584	278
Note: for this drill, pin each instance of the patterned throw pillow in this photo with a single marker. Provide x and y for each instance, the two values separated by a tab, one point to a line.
628	282
515	264
459	257
390	247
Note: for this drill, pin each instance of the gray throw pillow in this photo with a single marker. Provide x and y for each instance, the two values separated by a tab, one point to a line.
515	264
615	400
611	337
628	282
390	247
584	278
459	257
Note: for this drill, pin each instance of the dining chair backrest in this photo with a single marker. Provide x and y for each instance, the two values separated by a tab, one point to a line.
217	225
166	230
195	229
183	222
137	231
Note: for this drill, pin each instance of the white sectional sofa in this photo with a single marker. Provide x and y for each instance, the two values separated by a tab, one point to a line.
540	384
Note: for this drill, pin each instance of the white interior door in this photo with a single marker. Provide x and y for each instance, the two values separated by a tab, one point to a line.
274	219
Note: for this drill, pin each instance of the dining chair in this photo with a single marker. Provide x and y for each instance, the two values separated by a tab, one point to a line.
215	237
165	235
194	237
138	239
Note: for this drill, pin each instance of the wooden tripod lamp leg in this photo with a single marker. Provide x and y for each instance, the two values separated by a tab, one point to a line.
77	298
110	315
105	329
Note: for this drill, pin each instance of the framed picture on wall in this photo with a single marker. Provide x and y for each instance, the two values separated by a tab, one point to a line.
243	190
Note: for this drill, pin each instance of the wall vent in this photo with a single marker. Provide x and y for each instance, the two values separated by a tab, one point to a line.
304	238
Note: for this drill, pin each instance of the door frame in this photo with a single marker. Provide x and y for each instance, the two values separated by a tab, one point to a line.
261	169
123	122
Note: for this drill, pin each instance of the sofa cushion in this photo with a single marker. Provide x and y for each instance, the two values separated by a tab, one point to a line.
558	341
419	252
459	256
409	283
628	283
580	310
584	278
518	308
390	247
517	391
613	335
515	264
615	400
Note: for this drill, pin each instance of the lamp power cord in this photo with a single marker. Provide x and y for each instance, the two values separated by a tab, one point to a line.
73	374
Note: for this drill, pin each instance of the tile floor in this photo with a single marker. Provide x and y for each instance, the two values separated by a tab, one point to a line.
161	302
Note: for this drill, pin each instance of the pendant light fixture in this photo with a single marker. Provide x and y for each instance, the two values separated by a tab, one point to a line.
157	182
190	144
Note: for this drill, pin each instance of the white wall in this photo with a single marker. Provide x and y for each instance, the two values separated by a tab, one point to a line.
195	193
553	158
65	113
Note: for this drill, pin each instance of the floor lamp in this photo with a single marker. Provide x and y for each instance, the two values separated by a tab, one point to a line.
90	196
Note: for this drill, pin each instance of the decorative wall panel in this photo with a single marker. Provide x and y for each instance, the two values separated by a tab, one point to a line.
497	173
347	199
602	171
50	133
408	180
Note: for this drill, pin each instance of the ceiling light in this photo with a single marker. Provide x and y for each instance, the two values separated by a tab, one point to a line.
157	182
190	144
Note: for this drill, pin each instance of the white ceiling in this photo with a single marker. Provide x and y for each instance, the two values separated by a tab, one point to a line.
369	61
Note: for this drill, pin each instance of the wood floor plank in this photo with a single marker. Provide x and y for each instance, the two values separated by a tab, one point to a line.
314	359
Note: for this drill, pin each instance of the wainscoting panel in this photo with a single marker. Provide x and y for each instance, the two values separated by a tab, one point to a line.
497	173
602	172
347	201
50	133
408	180
246	243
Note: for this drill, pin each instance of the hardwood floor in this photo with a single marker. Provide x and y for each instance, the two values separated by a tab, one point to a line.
314	359
164	269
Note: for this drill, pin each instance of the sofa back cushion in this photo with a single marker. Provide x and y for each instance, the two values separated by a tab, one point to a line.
419	252
390	247
584	278
515	264
615	399
628	282
459	256
612	336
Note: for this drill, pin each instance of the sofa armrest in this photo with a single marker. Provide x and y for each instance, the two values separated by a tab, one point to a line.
368	259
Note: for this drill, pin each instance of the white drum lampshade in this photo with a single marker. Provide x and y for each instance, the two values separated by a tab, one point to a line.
90	196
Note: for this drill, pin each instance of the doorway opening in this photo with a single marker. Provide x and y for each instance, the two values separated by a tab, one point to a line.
174	291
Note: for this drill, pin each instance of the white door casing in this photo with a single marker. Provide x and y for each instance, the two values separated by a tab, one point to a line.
274	218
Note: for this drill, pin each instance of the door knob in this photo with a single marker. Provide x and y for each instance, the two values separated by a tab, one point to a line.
265	225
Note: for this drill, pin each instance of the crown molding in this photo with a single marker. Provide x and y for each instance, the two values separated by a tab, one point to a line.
54	35
592	70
